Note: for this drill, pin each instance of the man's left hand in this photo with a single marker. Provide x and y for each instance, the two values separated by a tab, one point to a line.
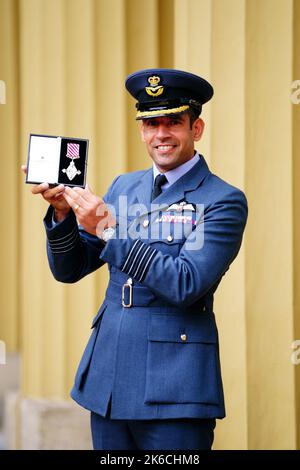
90	210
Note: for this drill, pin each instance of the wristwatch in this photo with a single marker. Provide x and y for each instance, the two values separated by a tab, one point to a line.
108	233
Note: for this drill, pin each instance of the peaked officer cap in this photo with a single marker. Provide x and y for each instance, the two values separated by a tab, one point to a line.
165	92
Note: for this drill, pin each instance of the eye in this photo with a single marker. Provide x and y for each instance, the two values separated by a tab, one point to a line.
175	122
151	123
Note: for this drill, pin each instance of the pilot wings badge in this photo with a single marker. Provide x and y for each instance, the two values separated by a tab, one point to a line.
180	207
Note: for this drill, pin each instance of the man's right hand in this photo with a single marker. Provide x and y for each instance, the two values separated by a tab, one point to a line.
53	196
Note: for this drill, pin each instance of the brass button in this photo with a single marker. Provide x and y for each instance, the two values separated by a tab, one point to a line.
169	238
183	337
146	223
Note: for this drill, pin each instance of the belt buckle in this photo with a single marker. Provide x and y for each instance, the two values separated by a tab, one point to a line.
127	284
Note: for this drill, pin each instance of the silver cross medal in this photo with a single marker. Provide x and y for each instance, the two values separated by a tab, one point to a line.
73	153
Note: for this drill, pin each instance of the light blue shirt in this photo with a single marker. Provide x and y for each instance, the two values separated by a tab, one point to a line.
173	175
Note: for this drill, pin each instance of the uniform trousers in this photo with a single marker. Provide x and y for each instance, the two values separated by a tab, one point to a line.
157	434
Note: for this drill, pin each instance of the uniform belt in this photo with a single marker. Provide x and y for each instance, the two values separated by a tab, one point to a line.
129	295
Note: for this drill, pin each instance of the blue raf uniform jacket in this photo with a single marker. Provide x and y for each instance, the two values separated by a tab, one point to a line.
154	342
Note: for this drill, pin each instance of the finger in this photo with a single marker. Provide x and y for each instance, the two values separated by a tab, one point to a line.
83	193
73	204
76	199
58	195
79	197
71	193
89	196
78	190
24	168
52	192
40	188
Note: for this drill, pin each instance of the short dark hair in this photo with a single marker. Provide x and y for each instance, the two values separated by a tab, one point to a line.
193	114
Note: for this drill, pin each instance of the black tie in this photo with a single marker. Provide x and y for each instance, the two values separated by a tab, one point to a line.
158	182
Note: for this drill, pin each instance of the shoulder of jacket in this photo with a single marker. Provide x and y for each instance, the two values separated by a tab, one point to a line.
130	177
124	183
222	189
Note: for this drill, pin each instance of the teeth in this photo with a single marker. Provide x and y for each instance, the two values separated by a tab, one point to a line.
165	147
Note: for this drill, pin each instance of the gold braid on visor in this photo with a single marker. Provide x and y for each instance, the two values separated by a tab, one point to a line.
159	112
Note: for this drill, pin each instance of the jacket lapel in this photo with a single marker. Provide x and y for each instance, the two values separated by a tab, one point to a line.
176	192
188	182
144	189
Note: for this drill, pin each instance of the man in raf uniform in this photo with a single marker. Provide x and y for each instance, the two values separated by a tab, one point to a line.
150	373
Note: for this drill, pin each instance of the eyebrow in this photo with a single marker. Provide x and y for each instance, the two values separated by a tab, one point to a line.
175	116
171	118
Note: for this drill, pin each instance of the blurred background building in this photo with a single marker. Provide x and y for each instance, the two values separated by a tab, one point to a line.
62	67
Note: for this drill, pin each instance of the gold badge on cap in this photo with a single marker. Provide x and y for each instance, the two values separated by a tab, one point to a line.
154	89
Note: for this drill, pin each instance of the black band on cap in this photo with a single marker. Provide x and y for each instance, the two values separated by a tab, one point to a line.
167	104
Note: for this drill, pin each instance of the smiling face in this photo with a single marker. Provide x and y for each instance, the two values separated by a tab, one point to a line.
170	139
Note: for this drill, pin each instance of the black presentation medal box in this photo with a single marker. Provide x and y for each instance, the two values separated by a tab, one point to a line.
57	160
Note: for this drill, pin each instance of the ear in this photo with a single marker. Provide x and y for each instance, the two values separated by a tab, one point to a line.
142	131
198	128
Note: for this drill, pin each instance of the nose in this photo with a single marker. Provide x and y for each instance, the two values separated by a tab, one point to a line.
162	131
